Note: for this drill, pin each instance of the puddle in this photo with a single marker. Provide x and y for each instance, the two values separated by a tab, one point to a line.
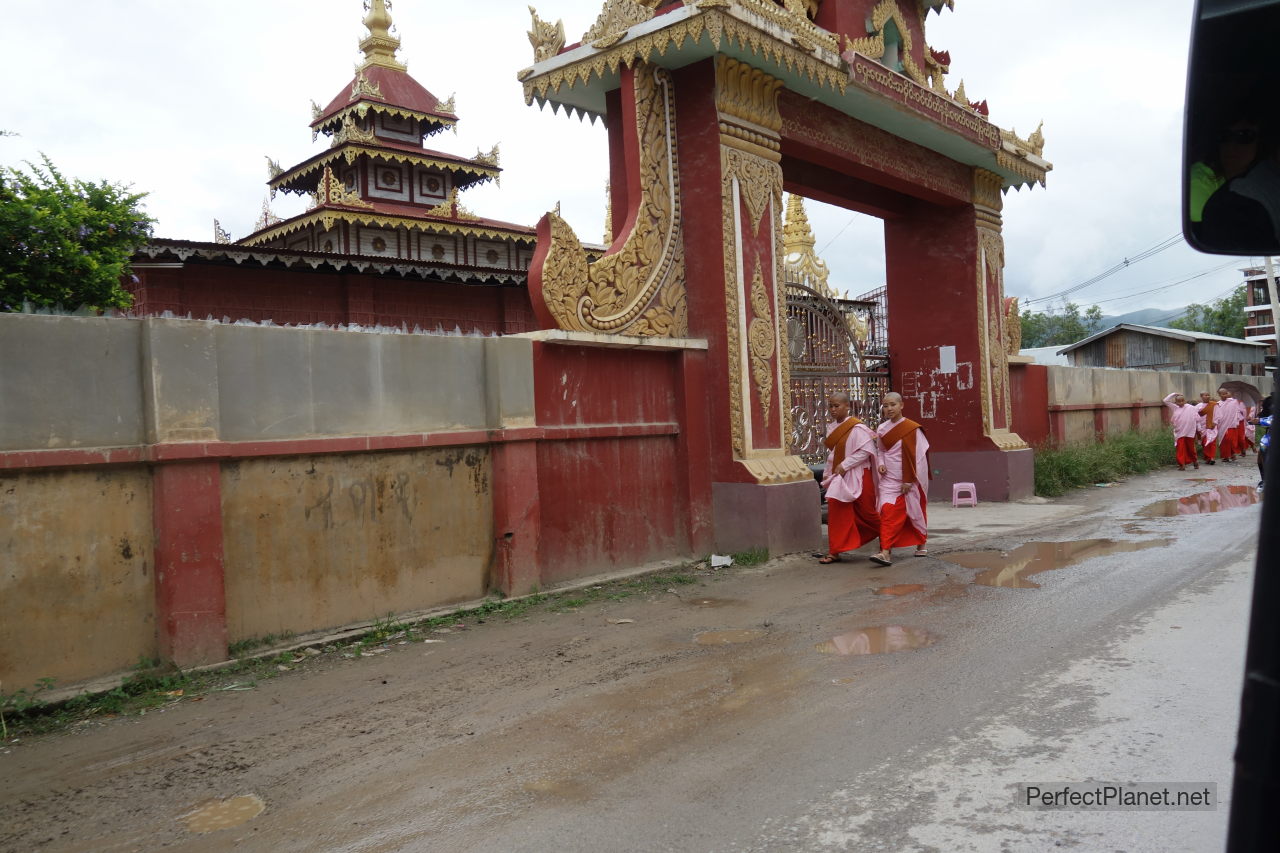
724	638
1133	527
1214	500
712	602
1011	569
900	589
877	641
225	814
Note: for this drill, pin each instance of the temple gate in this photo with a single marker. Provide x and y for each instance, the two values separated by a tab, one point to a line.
714	108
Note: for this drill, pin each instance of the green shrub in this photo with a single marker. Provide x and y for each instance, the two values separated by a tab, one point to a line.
1060	469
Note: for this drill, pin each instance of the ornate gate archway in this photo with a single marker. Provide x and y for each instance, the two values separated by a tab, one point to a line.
826	341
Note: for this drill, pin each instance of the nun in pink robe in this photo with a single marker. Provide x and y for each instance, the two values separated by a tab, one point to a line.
1186	423
902	454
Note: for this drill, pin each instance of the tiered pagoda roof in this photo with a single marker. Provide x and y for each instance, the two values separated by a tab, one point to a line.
379	120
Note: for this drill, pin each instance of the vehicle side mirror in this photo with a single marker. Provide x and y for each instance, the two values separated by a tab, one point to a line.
1231	140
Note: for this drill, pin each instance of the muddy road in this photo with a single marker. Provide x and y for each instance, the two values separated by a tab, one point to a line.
787	706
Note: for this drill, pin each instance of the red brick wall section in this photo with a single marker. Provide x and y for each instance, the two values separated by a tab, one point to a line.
1029	395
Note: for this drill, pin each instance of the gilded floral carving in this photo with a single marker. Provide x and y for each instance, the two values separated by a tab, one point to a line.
762	338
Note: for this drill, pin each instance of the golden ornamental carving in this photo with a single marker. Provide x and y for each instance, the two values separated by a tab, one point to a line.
363	86
351	155
350	131
491	158
448	106
451	208
712	23
220	234
267	218
615	19
873	46
762	341
326	217
1023	167
547	40
747	94
994	384
640	288
273	168
316	112
1033	144
332	191
987	191
1012	326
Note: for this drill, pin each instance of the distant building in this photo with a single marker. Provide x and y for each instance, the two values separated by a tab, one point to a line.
1154	348
1258	322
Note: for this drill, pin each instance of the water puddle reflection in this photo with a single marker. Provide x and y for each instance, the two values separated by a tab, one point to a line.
1214	500
724	638
225	814
568	789
877	641
1011	569
900	589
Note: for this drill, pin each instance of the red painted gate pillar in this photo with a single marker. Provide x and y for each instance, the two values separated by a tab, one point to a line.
950	359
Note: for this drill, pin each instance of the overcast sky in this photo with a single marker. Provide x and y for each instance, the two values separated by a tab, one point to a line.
185	100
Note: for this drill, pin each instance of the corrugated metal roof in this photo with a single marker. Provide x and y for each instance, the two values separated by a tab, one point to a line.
1178	334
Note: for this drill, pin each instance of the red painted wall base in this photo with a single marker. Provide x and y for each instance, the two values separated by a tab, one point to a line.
781	518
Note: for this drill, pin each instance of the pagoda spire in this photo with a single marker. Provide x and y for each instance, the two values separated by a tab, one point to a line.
380	45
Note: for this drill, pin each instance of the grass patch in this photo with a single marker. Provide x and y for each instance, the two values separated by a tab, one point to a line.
754	557
1058	470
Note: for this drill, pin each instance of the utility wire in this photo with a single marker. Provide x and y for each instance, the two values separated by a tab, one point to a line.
1167	243
1219	268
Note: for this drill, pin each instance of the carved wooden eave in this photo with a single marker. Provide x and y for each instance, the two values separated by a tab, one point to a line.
805	57
440	120
303	177
326	217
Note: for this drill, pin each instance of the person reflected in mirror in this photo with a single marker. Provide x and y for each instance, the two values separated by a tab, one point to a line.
1229	156
1263	420
1186	422
1243	215
903	459
849	480
1207	409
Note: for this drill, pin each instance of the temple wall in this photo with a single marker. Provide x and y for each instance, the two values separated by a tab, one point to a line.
169	487
1081	403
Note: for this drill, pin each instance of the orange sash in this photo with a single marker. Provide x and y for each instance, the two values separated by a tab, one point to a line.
836	441
1208	415
905	432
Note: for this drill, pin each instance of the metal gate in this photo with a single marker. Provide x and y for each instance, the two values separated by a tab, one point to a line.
826	356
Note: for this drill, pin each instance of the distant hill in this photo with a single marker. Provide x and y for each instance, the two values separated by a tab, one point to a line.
1144	317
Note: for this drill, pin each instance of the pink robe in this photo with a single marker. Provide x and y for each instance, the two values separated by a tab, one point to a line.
1228	414
1185	419
859	456
891	479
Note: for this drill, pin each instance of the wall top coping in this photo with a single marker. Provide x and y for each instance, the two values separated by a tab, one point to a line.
597	339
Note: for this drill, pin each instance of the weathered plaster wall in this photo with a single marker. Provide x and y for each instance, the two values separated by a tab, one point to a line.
76	574
318	542
1086	400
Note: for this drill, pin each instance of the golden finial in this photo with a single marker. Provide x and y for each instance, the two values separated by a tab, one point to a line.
797	236
380	45
800	262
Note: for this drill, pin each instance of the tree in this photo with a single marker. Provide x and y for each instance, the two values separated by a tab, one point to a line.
1065	326
66	242
1222	317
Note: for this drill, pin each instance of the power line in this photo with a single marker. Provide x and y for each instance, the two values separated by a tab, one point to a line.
1218	268
1167	243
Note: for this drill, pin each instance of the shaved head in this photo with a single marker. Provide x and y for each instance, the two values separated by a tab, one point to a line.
843	396
893	395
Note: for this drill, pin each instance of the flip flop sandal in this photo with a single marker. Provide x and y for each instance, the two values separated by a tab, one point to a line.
878	560
828	559
921	553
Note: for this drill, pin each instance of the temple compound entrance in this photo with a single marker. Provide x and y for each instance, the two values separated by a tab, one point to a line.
716	107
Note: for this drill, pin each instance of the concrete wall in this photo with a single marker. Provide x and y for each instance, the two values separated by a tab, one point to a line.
1085	401
168	487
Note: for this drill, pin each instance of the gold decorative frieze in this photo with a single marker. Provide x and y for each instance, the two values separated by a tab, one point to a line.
1033	144
490	158
451	208
873	46
448	106
1023	167
547	39
333	191
615	19
1012	326
747	96
327	217
640	288
351	155
713	23
987	195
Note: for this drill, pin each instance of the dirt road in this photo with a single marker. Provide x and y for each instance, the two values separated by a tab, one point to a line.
730	714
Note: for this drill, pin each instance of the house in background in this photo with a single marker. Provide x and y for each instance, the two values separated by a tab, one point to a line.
1154	348
1258	322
